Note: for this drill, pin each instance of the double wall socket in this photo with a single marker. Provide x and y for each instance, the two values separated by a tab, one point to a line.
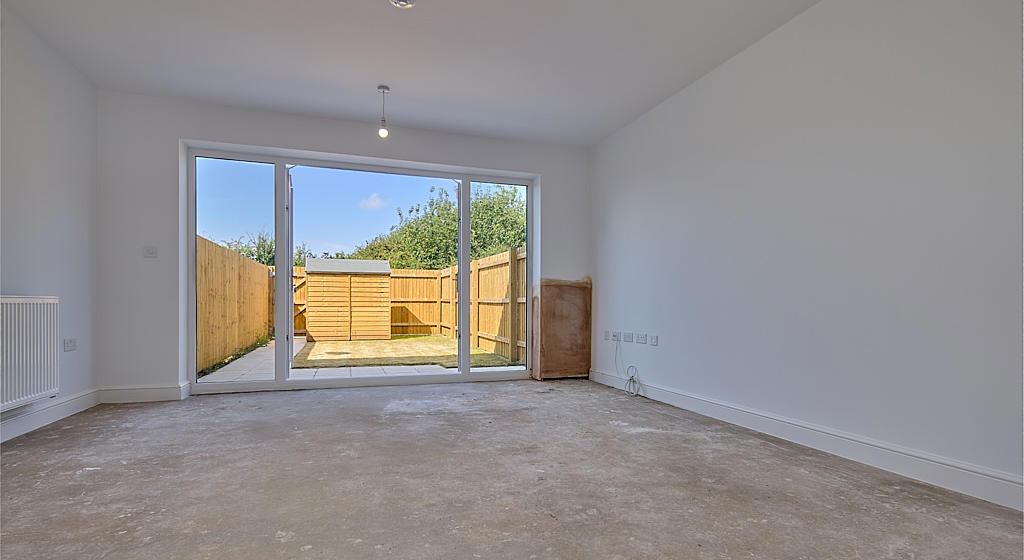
626	336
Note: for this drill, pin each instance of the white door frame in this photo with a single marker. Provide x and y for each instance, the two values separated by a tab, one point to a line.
283	320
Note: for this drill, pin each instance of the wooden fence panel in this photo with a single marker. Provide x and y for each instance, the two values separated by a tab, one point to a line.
415	301
474	303
426	302
447	305
492	301
521	296
300	294
233	302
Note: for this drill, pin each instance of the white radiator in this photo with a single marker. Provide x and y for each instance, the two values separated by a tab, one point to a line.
30	335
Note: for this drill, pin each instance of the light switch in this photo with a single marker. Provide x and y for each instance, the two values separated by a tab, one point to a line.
149	251
606	335
654	340
70	344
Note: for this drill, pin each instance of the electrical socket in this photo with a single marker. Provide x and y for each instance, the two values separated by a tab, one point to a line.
627	337
70	344
616	335
654	340
641	338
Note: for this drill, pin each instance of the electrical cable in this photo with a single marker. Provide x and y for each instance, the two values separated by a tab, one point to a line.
633	386
633	383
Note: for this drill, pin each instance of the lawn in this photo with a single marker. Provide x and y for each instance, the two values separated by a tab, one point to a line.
401	350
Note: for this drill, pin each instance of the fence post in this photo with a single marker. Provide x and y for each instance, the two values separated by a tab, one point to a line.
349	308
440	311
452	293
513	305
270	300
474	302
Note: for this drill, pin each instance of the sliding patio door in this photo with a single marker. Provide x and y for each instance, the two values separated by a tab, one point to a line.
315	273
375	273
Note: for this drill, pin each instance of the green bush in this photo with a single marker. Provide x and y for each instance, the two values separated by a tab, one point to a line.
426	235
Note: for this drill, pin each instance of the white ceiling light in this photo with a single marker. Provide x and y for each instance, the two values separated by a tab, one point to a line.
403	3
383	130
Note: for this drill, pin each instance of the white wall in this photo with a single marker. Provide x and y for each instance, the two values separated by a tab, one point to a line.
141	332
825	232
47	204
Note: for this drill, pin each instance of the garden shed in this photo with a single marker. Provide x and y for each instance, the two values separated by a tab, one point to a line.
348	299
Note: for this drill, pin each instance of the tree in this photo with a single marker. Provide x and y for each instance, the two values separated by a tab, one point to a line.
301	254
260	247
498	218
426	235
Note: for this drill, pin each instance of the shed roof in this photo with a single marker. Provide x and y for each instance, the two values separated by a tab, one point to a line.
347	266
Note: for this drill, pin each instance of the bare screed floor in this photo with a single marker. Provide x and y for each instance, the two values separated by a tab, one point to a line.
489	470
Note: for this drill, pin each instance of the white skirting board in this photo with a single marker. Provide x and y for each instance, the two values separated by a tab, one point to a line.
36	415
999	487
143	394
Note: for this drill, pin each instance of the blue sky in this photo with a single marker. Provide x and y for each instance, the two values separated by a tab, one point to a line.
335	210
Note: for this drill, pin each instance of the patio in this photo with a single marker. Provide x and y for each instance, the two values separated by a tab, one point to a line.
399	350
401	355
257	365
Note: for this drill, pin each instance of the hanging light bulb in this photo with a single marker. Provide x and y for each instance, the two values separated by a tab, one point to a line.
383	130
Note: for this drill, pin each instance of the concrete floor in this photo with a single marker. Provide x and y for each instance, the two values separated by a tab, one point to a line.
488	470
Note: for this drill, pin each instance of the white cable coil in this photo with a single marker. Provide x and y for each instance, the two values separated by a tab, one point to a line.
633	386
633	382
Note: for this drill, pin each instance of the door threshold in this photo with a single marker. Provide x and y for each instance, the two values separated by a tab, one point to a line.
215	387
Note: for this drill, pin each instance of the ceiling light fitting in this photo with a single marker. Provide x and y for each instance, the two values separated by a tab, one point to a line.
403	3
383	130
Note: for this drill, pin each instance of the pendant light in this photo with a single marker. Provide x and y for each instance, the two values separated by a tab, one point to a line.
383	130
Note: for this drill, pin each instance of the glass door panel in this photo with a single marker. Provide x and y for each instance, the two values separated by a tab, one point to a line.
374	273
498	252
234	265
